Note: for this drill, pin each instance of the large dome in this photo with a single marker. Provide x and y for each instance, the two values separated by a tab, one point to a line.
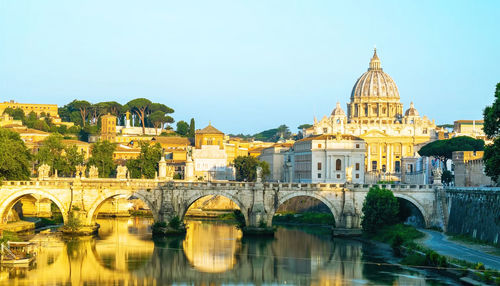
375	82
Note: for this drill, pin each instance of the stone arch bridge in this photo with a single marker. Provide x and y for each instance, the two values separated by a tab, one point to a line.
257	201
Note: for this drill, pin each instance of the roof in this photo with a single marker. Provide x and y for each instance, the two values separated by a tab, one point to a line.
209	130
72	141
470	121
29	131
171	140
330	137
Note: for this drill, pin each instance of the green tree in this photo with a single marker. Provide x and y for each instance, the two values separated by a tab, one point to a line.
15	158
246	168
51	153
446	177
140	107
102	158
182	128
17	114
159	118
304	126
492	130
443	149
380	209
192	128
83	107
146	165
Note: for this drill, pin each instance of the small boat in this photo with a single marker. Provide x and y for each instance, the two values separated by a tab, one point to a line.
18	253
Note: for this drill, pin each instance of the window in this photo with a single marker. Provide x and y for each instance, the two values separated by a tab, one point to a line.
397	166
319	166
338	165
374	165
325	130
319	175
319	145
357	146
357	176
338	176
357	166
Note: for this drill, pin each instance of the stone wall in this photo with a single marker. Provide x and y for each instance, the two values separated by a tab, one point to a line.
474	212
469	169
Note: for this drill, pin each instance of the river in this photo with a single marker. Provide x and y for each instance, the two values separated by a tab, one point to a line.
211	253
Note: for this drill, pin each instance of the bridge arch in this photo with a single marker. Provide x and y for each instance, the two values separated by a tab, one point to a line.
316	195
141	194
424	214
224	193
11	200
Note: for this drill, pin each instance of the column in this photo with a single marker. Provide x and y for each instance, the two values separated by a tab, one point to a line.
368	163
390	156
379	165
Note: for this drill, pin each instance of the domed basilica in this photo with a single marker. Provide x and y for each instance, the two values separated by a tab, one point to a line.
375	114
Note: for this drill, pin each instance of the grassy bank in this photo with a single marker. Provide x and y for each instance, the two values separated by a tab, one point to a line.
9	236
401	238
305	218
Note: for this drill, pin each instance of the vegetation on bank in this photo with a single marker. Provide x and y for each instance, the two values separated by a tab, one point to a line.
9	236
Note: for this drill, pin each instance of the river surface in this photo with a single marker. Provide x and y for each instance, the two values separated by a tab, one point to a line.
211	253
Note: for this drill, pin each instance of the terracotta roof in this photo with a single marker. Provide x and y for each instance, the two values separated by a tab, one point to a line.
172	140
330	137
209	130
71	141
29	131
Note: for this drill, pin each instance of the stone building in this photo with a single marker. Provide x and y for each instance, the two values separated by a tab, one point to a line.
375	114
469	169
276	156
209	156
327	159
49	109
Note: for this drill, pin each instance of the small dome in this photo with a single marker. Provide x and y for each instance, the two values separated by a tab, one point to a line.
375	82
412	111
338	110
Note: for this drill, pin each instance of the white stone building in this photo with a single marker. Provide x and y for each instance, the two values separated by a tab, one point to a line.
275	156
210	163
327	159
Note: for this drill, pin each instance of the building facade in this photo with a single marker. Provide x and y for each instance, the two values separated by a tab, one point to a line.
375	114
327	159
276	156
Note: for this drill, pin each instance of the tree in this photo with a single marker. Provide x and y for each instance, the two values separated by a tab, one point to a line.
51	153
102	158
182	128
60	157
140	106
83	107
446	177
192	129
17	114
158	118
304	126
14	158
492	130
380	209
246	168
146	165
443	149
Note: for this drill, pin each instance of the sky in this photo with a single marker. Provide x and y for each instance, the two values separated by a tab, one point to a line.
249	66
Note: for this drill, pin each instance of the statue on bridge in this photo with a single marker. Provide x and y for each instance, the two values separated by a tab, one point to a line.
121	172
43	171
259	174
348	174
93	172
80	171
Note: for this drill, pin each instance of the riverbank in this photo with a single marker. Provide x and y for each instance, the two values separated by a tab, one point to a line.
409	244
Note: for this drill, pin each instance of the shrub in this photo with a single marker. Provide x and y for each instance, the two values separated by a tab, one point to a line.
175	222
380	209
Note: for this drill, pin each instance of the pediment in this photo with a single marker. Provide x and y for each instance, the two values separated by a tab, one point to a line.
373	134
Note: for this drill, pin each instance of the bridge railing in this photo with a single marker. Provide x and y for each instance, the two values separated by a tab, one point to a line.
153	183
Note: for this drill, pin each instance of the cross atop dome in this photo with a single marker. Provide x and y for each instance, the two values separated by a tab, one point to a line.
375	61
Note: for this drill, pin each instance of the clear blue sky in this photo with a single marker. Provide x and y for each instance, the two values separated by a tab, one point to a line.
250	65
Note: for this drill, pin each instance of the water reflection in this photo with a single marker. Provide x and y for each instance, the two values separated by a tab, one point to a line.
211	249
210	253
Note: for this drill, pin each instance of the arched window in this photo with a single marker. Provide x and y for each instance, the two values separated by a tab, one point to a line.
338	165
